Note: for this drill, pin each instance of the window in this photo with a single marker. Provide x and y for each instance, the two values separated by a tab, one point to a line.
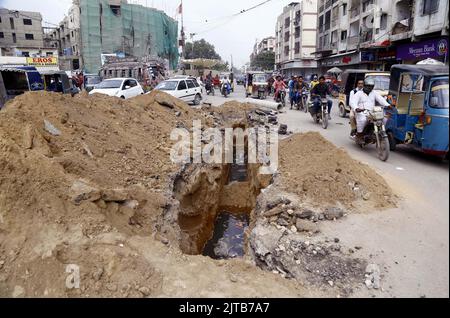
430	6
190	84
115	10
29	36
182	86
27	22
133	83
287	22
344	9
14	38
2	35
297	47
383	21
25	54
0	19
286	50
343	35
49	53
297	32
286	36
11	21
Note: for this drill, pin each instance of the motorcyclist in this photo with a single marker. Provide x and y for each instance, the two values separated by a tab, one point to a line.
226	82
318	92
291	90
359	87
299	87
209	84
279	85
365	100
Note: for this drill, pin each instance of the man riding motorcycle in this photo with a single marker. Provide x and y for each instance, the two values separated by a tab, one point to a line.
318	92
358	88
279	85
365	100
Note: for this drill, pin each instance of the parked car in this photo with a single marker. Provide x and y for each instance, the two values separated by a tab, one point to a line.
188	90
119	87
90	80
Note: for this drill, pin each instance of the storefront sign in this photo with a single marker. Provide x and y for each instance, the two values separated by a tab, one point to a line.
387	55
436	48
367	56
42	61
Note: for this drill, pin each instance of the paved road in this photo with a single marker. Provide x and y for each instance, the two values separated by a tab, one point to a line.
411	242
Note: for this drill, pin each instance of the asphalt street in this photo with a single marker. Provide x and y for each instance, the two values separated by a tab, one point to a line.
409	243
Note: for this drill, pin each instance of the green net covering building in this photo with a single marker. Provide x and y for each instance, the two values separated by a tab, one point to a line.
113	26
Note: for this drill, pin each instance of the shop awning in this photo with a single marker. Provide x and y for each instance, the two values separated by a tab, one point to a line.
334	70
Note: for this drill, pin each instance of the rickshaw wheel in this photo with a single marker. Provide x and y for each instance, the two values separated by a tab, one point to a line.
392	141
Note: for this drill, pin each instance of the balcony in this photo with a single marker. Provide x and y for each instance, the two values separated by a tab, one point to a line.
328	4
334	22
353	42
402	29
354	13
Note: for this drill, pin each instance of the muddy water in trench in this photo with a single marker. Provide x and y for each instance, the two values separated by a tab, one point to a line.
229	227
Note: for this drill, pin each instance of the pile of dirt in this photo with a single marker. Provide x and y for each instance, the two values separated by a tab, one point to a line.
322	174
75	170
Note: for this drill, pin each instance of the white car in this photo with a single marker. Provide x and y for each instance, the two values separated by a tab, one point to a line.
119	87
186	89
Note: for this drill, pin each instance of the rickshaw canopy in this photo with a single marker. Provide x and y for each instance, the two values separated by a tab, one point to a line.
427	71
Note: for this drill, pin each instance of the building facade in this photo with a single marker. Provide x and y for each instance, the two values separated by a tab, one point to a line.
375	34
266	45
21	34
96	27
295	34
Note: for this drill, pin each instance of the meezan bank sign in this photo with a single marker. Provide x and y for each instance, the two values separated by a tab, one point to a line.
42	61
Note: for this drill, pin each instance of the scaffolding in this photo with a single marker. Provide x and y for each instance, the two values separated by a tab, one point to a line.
129	28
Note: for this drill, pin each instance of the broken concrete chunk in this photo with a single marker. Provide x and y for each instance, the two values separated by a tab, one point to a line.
305	214
305	226
51	129
82	191
333	213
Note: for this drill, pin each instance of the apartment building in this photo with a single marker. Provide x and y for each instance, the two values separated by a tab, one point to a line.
66	38
376	34
266	45
96	27
296	32
21	34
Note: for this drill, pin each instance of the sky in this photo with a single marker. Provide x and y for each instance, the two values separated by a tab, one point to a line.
209	19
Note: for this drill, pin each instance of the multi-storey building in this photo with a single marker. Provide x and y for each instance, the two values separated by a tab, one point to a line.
296	31
21	34
96	27
376	34
266	45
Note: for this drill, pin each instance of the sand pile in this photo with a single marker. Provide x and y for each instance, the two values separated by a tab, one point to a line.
322	174
75	170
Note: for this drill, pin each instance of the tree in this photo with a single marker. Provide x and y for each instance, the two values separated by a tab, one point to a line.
221	67
264	61
201	49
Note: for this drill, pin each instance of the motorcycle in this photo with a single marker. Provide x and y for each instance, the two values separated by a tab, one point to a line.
226	89
281	98
303	100
322	115
209	89
375	132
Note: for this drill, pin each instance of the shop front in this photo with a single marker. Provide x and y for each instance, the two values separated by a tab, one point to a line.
351	60
411	53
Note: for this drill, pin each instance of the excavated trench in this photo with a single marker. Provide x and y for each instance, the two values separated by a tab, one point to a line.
216	202
215	208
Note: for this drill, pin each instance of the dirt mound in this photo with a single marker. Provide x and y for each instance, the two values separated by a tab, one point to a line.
78	168
322	174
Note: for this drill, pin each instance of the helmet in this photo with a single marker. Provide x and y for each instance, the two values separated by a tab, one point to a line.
369	82
315	77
